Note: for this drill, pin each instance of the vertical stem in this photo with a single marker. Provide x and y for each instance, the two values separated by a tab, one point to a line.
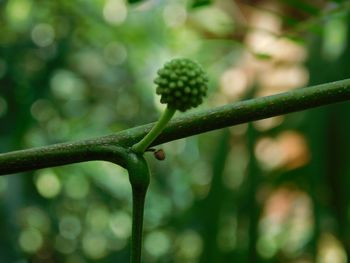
139	178
138	202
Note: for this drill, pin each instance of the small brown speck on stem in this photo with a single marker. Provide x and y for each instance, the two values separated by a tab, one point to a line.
159	154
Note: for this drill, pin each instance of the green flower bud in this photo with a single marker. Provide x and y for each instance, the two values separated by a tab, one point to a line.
182	84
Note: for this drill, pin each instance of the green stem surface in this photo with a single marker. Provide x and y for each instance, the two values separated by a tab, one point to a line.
139	178
138	204
142	145
104	148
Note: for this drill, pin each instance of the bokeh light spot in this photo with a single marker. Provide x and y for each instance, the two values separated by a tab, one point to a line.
115	53
335	37
331	250
64	245
267	246
213	19
30	240
174	14
234	83
115	12
48	184
157	243
43	110
90	64
190	245
34	217
269	123
120	224
18	12
77	186
70	227
66	85
94	245
289	149
97	217
43	35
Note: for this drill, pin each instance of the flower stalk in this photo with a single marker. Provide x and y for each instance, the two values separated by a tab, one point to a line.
142	145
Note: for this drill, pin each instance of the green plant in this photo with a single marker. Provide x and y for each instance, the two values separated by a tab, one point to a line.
119	148
182	84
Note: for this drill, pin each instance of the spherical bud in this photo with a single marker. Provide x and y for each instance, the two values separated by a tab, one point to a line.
182	84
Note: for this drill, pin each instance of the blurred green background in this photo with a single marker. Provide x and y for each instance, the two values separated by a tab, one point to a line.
270	191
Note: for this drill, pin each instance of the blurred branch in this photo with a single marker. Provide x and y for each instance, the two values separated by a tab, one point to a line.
109	148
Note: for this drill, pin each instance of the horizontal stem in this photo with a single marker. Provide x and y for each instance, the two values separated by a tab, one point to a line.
106	147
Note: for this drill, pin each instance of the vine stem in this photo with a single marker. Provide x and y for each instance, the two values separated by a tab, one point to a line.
103	148
142	145
138	204
139	178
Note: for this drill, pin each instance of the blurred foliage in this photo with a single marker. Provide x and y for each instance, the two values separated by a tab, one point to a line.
134	1
198	3
271	191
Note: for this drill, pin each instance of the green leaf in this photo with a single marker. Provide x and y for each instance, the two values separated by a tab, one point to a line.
134	1
200	3
303	6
